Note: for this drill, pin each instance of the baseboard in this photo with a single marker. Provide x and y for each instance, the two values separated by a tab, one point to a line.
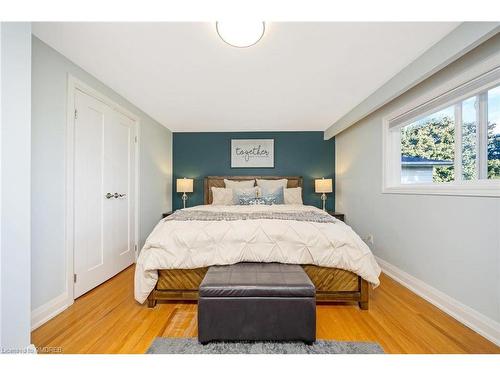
478	322
48	310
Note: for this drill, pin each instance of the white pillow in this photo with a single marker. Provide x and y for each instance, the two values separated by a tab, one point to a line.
272	184
230	184
293	195
222	196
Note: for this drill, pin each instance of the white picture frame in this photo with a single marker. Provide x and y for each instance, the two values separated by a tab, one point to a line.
252	153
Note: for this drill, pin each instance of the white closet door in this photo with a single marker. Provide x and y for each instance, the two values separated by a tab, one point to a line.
104	192
119	164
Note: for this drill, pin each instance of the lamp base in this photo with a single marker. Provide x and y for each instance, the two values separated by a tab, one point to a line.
184	199
323	198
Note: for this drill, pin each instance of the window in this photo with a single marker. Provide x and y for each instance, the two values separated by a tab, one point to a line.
494	133
448	145
427	148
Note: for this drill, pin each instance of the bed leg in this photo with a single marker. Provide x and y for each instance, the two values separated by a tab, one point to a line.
363	301
151	301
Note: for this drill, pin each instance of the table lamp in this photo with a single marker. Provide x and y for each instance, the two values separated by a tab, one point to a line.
184	185
323	186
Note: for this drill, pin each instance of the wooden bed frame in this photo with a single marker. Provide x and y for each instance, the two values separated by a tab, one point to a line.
332	284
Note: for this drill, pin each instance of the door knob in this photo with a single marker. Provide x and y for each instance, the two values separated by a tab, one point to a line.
116	195
109	196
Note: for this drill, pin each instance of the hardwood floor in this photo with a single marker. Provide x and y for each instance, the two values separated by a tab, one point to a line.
108	320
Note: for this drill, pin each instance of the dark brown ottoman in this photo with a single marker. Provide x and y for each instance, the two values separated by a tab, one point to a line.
256	302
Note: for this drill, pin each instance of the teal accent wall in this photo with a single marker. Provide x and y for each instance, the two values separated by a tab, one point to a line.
306	154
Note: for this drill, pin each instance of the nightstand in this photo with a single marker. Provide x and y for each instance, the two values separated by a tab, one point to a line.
165	214
336	215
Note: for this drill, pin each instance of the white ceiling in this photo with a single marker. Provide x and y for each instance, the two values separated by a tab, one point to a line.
300	76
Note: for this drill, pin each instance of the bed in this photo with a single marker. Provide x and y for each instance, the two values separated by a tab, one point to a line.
175	259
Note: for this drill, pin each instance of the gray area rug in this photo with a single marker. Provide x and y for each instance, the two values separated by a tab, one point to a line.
163	345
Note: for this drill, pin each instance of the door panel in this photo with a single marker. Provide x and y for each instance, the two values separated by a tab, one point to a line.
119	155
104	163
89	252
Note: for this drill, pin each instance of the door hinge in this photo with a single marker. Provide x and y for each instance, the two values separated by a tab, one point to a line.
76	113
74	278
135	138
135	248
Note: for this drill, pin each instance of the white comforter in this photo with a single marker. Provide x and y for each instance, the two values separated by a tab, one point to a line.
193	244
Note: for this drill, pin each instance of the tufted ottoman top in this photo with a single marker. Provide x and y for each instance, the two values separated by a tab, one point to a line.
257	280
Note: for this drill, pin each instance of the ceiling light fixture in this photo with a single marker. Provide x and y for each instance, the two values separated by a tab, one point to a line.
240	34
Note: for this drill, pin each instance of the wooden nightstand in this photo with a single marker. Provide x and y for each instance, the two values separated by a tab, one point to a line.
165	214
336	215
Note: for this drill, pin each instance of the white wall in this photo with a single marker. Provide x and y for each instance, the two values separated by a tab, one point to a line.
156	177
49	86
451	243
15	185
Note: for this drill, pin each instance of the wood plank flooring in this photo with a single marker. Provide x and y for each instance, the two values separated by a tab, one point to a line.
108	320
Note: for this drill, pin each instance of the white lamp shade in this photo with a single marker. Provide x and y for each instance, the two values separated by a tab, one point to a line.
184	185
323	185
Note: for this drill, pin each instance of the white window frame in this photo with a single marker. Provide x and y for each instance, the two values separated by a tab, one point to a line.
441	98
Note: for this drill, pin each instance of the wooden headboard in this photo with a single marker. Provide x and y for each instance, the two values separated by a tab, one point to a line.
218	181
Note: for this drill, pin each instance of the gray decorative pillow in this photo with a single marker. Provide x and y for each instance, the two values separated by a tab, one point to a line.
272	195
244	196
256	201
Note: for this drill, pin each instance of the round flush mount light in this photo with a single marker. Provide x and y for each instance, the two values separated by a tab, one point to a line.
240	34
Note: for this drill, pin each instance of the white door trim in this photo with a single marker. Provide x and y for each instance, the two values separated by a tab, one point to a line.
73	85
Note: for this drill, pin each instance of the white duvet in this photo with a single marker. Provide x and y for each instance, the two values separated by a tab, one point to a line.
194	244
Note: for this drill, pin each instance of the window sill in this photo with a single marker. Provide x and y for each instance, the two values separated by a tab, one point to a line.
475	189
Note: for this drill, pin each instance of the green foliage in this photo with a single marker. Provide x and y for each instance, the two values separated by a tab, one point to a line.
494	169
469	139
493	154
435	139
